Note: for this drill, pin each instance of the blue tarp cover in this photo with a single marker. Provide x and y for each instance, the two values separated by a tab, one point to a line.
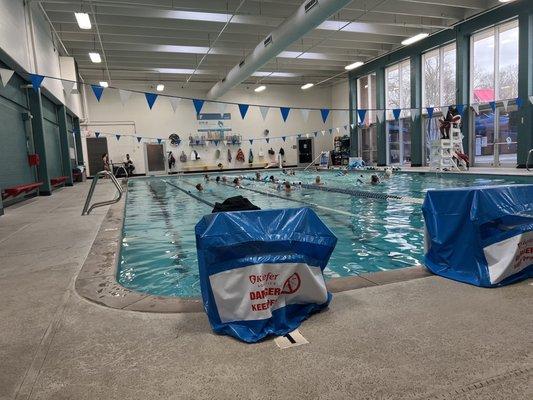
261	272
480	235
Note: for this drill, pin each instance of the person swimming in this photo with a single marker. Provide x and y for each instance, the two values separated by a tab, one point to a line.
237	183
257	176
374	180
360	179
318	181
287	186
387	173
217	179
199	187
206	177
272	179
224	179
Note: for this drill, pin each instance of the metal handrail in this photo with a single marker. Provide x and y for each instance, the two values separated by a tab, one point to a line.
86	209
527	161
124	169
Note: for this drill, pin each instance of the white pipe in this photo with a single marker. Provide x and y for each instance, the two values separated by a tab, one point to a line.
292	29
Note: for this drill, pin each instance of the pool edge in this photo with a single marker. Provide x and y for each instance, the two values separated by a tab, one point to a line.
97	283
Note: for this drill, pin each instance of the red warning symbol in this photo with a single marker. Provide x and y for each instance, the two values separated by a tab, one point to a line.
292	284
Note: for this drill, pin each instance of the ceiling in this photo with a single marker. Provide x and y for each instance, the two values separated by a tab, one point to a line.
167	40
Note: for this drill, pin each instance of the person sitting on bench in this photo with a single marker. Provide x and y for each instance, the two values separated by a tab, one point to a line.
128	164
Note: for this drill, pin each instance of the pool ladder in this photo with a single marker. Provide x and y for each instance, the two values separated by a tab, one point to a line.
86	209
527	160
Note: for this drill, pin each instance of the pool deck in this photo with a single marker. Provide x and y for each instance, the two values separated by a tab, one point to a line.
426	338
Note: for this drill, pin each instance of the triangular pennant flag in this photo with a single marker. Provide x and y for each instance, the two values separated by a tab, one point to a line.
267	140
444	110
98	91
345	127
159	140
198	104
460	109
505	104
352	126
97	134
283	137
150	99
519	102
430	112
139	139
315	133
284	113
5	76
118	137
475	107
492	105
531	99
251	141
264	111
124	96
215	142
243	109
174	101
380	115
362	115
68	86
305	114
36	81
306	135
299	135
414	114
330	131
396	112
324	112
221	107
323	132
338	130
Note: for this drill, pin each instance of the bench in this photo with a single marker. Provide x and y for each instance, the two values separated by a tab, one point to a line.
19	189
58	181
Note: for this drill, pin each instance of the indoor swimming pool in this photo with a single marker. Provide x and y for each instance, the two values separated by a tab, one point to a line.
158	252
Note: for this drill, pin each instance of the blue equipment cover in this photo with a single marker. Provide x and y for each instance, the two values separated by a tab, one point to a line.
261	272
480	235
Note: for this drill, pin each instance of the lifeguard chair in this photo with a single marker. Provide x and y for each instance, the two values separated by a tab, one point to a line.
447	154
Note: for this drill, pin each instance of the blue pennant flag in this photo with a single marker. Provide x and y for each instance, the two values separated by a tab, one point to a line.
315	133
492	105
36	81
430	112
118	137
345	127
460	109
150	98
243	108
324	112
198	104
251	141
284	113
330	131
519	102
396	112
139	139
98	91
362	115
299	135
97	134
267	139
215	142
283	137
159	140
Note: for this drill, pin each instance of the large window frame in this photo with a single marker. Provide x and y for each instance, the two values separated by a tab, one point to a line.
366	99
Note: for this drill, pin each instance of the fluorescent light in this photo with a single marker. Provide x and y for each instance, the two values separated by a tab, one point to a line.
505	1
414	38
353	66
84	22
160	87
307	86
104	84
260	88
95	57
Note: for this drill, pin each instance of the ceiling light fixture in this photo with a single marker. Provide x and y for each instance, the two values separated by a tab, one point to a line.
260	88
414	39
84	22
160	87
307	86
353	65
95	57
505	1
104	84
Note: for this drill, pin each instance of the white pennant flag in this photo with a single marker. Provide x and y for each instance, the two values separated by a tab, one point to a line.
531	99
124	96
505	104
414	113
5	75
475	107
68	86
174	101
338	130
380	115
307	135
264	111
305	113
352	126
323	132
444	110
221	107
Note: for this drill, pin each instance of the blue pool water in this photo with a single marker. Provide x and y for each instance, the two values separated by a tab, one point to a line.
158	253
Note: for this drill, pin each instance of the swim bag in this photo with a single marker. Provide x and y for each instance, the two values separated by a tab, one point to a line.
240	156
281	151
271	151
183	156
250	157
217	154
229	155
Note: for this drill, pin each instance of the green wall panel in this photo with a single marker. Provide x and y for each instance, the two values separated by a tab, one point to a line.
53	149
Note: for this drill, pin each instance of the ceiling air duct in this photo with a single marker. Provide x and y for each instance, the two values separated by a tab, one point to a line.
308	16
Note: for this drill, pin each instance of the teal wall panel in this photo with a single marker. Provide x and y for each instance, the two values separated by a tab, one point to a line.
53	149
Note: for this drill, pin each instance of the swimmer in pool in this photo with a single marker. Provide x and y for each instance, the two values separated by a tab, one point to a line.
374	180
257	176
206	177
387	174
237	183
199	187
217	179
360	179
224	179
318	182
287	186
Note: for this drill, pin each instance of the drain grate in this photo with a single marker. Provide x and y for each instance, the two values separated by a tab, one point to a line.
291	339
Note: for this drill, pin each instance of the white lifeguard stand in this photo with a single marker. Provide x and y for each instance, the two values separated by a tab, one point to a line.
444	152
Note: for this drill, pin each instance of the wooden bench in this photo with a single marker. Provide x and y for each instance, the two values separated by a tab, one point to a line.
58	181
19	189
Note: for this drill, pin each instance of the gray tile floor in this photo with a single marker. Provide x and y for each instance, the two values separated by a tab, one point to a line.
429	338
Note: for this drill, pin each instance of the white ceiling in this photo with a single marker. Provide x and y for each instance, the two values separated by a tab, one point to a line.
165	40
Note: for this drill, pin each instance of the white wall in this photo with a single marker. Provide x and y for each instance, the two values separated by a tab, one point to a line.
110	116
26	36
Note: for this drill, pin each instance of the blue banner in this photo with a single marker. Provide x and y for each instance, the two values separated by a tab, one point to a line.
324	112
284	113
150	99
98	91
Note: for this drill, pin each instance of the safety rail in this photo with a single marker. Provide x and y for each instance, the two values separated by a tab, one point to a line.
527	160
86	209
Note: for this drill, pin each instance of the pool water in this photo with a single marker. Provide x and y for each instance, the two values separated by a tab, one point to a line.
158	253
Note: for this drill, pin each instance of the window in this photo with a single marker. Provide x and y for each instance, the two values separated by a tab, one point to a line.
366	99
398	95
494	64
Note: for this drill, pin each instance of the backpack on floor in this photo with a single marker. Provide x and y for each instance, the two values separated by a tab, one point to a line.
250	157
240	156
183	156
229	155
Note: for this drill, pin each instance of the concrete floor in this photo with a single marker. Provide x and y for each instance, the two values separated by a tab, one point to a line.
428	338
